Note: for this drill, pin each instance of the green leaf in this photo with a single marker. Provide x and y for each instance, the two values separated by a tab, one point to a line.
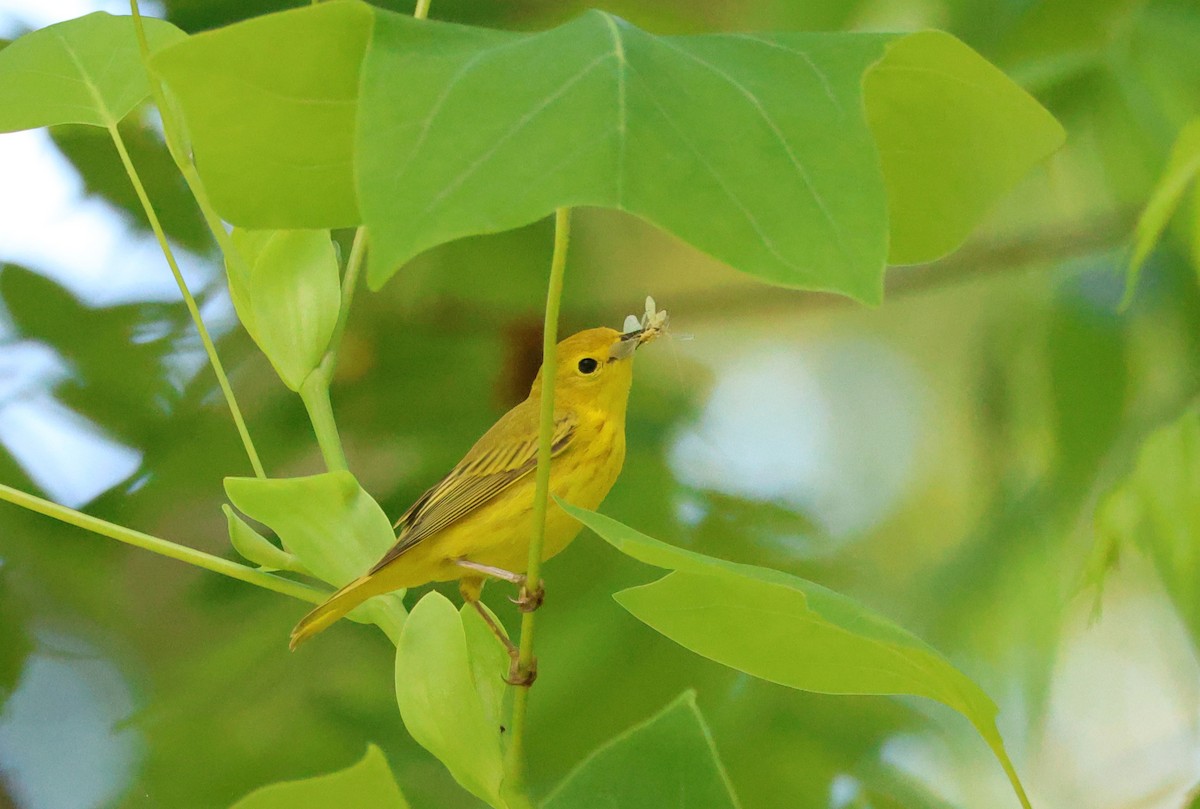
760	149
669	760
1156	510
954	134
754	148
368	784
447	696
787	630
82	71
254	547
1182	168
270	106
290	298
330	524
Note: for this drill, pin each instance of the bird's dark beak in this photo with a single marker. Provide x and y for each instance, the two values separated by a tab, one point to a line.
626	345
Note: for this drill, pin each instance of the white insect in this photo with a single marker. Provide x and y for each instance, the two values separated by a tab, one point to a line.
651	324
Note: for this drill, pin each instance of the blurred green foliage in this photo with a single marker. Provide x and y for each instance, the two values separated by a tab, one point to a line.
1037	394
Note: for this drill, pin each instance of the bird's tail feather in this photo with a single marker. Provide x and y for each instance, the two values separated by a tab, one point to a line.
332	610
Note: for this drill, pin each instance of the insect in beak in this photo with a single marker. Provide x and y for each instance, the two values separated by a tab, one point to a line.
637	332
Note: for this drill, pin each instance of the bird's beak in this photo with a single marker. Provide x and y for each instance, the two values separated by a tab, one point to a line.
624	347
631	341
653	323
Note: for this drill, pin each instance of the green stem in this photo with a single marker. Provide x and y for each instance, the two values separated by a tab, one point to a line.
193	309
162	547
422	10
174	141
562	237
314	392
181	154
349	283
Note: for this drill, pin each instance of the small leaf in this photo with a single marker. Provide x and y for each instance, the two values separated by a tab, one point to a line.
82	71
954	134
330	524
440	696
254	547
1182	168
270	105
1156	509
368	784
669	760
289	298
790	631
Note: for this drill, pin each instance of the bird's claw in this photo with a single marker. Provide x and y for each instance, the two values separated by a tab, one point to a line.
529	600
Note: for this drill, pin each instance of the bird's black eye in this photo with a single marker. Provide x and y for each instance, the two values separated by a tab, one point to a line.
587	365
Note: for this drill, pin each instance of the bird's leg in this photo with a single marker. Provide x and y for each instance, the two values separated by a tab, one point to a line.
527	599
470	587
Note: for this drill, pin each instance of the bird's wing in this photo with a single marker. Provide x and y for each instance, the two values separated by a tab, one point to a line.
505	454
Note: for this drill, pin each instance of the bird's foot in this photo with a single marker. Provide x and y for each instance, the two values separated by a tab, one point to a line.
528	600
521	678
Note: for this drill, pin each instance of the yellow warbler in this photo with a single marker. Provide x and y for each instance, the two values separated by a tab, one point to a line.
477	522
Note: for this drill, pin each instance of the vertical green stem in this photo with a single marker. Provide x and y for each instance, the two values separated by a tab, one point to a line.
163	547
422	10
562	237
314	392
174	141
180	153
192	308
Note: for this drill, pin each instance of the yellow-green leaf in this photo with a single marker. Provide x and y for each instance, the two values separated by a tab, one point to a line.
368	784
83	71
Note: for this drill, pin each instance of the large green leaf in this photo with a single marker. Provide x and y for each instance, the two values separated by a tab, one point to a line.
760	149
448	687
82	71
1156	510
754	148
368	784
787	630
331	525
270	106
287	295
669	760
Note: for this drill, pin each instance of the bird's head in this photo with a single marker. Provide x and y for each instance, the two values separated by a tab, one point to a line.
594	366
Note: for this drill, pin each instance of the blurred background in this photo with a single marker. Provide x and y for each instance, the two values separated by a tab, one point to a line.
938	458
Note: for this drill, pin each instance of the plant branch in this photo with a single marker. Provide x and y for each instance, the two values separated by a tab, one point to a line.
314	392
193	309
174	141
163	547
562	237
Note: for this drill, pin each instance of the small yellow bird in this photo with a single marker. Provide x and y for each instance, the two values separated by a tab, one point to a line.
477	522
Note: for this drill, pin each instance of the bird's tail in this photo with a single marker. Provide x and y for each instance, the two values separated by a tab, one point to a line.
333	609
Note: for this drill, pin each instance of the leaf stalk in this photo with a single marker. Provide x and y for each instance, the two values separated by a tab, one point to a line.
209	348
163	547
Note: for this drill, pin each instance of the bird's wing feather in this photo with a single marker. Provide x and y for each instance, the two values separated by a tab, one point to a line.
504	455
